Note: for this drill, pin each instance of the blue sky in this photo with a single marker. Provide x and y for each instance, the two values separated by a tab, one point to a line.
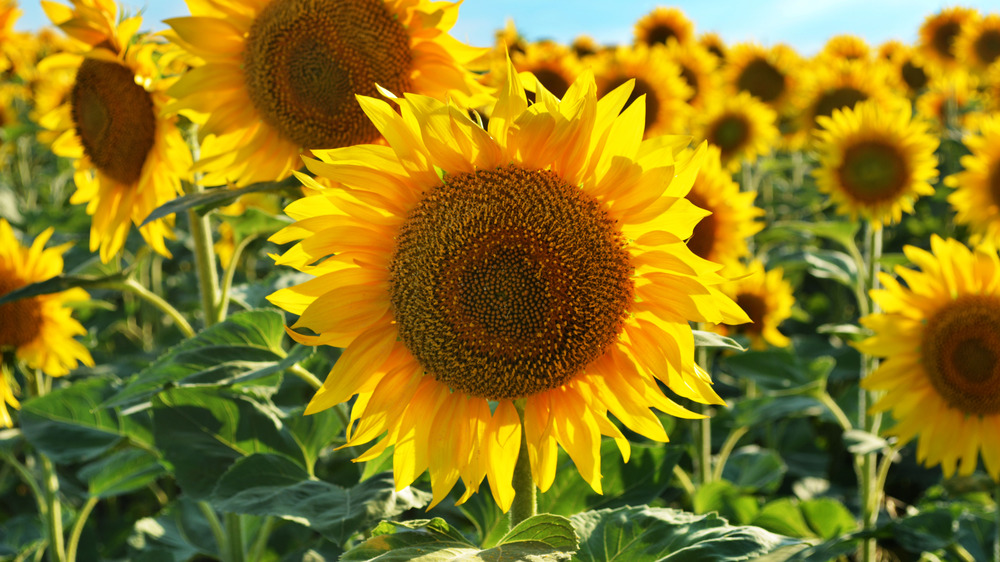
804	24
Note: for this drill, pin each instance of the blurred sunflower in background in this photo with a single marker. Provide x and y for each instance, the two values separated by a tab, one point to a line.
552	64
874	163
976	198
280	76
951	101
978	43
721	237
939	31
714	44
538	265
663	26
940	340
740	126
841	85
912	69
768	74
698	68
846	47
766	297
129	156
40	330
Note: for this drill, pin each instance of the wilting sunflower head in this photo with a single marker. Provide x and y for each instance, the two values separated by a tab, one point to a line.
940	337
129	156
662	26
742	127
281	76
978	43
875	162
939	32
39	329
540	262
767	299
721	237
976	198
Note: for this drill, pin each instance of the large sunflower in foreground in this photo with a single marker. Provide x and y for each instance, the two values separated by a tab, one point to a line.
976	198
129	157
767	298
722	236
538	265
874	163
280	76
40	329
940	337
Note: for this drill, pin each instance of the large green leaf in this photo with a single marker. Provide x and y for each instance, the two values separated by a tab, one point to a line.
61	283
203	431
778	369
246	346
179	532
269	484
541	538
784	516
121	472
726	499
70	424
828	517
755	469
641	534
204	201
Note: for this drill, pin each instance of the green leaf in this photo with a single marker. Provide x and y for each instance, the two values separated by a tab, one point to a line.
841	232
69	424
755	470
711	339
60	283
830	264
541	538
926	532
778	369
727	500
640	534
828	517
246	346
273	485
205	201
784	516
753	412
179	532
203	431
121	472
314	432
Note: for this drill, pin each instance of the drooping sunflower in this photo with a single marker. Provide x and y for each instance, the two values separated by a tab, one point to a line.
875	162
280	76
940	340
40	330
128	154
741	126
539	264
698	69
976	198
768	74
722	236
978	43
939	32
655	76
663	25
846	47
767	298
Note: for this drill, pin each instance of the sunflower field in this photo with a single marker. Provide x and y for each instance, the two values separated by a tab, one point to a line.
306	280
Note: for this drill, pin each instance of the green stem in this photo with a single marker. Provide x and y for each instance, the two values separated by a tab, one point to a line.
835	409
727	449
260	543
30	480
50	487
215	525
234	538
136	288
201	235
868	477
685	481
524	505
77	530
227	280
704	443
306	375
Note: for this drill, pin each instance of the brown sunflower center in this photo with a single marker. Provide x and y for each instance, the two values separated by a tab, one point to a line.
702	240
961	353
114	119
837	98
21	320
914	76
755	307
642	87
306	59
762	80
873	171
508	282
944	38
987	46
730	133
717	51
659	34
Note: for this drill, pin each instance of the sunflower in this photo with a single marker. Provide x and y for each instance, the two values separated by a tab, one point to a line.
280	76
129	158
714	44
940	337
976	198
768	74
552	64
663	25
767	299
846	47
874	162
741	126
978	42
40	330
538	265
912	69
655	76
584	46
951	101
698	69
939	32
841	85
721	237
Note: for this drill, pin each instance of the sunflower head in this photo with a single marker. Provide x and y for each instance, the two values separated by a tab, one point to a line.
939	32
553	65
843	84
940	337
978	42
767	299
584	46
846	47
742	127
662	26
768	74
874	162
698	69
540	262
914	71
713	42
976	198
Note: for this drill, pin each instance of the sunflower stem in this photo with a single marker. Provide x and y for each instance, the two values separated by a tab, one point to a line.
137	289
234	538
524	505
201	235
50	485
867	463
704	442
77	529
